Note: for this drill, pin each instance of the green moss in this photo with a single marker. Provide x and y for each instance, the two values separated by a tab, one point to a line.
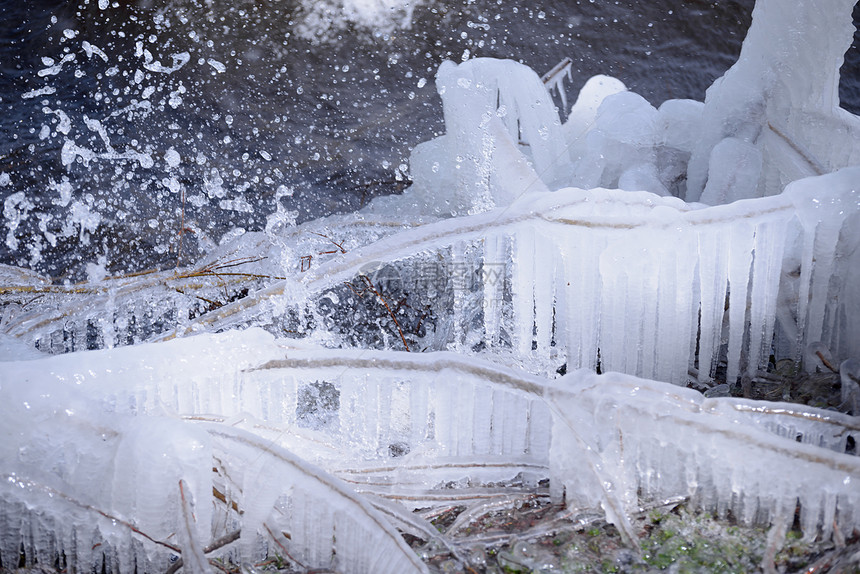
698	543
608	566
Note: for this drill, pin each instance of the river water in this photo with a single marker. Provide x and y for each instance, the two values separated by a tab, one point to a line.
125	122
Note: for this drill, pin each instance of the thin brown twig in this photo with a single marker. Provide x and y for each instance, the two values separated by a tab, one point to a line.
826	363
306	259
215	545
282	547
370	287
338	245
213	304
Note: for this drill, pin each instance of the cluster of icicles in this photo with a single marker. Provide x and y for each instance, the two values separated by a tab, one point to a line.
259	432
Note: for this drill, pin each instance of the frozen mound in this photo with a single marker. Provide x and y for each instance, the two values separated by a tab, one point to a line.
775	114
773	118
241	447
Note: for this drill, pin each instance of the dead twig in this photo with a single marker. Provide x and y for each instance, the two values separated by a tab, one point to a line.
306	262
282	547
338	245
218	543
825	362
370	287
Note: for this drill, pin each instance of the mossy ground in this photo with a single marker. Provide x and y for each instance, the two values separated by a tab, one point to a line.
672	539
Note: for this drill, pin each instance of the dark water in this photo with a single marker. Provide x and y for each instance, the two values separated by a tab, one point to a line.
265	112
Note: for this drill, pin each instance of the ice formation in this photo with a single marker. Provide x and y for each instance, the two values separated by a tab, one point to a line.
217	423
526	247
777	109
69	429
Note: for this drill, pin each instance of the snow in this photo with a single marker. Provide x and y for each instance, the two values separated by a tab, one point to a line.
265	394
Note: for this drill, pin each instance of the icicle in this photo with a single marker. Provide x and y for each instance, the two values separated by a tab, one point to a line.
554	80
579	311
849	372
193	558
677	303
740	259
764	287
713	277
740	467
523	285
325	518
106	322
460	282
628	270
822	215
545	270
493	271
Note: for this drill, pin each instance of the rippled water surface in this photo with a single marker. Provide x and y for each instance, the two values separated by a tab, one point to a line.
123	122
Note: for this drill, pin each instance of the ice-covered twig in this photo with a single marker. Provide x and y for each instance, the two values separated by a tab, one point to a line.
554	80
328	505
215	545
193	555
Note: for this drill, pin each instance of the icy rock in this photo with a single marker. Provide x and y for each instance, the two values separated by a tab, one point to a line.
493	108
625	133
583	114
680	123
735	168
782	97
828	210
628	118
